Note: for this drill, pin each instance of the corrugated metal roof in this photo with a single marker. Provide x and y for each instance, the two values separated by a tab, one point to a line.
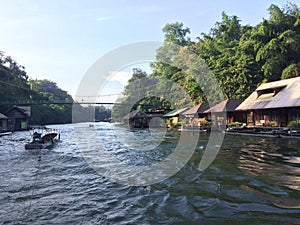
200	108
175	112
287	96
228	105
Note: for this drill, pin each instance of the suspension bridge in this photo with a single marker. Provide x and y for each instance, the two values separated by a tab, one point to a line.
110	99
36	102
65	102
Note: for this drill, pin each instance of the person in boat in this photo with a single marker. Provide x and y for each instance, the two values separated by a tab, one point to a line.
36	137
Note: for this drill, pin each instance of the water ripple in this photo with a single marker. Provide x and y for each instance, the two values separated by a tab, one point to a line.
252	181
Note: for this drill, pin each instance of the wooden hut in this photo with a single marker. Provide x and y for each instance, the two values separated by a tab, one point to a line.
136	119
196	111
228	108
195	115
275	103
3	123
155	117
18	118
174	117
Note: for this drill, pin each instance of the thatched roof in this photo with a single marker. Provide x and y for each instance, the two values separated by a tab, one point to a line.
200	108
175	112
135	115
2	117
277	94
21	109
228	105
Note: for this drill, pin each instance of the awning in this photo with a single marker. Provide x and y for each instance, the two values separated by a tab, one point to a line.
175	112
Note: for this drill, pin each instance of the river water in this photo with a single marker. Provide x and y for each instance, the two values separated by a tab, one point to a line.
252	181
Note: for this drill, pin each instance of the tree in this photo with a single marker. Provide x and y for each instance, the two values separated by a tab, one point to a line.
219	49
279	41
292	70
242	57
175	33
48	91
13	81
102	113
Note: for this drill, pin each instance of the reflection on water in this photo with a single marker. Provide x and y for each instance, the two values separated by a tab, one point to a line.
272	163
251	181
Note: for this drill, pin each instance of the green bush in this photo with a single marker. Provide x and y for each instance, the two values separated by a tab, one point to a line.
271	123
294	124
205	123
234	124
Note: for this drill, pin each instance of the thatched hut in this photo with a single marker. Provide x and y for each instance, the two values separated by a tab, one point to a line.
227	108
194	116
175	117
275	103
197	111
18	118
3	123
136	119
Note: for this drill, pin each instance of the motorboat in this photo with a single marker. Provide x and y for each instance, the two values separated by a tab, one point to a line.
42	137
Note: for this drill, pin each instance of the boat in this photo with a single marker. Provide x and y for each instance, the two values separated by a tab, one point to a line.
5	133
42	137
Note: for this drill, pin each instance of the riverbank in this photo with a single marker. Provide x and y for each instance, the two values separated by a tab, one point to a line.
274	132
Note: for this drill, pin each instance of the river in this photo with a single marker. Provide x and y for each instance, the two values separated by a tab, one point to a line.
251	181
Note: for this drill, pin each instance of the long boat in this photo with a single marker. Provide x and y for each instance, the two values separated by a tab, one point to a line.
42	137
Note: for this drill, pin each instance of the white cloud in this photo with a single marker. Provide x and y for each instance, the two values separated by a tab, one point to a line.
101	19
121	76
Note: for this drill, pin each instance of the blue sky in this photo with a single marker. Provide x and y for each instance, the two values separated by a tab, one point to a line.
60	40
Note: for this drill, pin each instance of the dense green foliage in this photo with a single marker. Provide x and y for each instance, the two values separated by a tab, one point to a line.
241	57
230	61
47	91
13	81
102	113
16	88
138	94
